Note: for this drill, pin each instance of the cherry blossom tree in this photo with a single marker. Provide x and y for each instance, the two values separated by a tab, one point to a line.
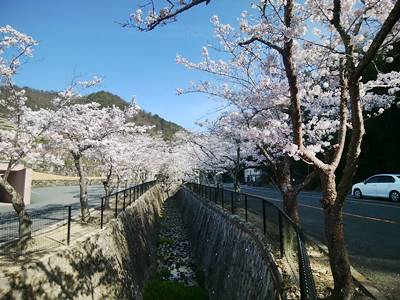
22	129
226	150
255	103
110	157
147	157
323	76
134	156
78	128
177	163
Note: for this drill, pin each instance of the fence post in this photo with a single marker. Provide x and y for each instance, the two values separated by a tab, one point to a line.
280	233
116	205
222	197
232	195
264	220
130	195
101	213
245	206
69	225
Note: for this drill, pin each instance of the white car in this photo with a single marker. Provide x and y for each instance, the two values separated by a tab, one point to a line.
381	185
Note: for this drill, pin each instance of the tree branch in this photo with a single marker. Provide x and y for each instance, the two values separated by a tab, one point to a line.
258	39
380	37
172	15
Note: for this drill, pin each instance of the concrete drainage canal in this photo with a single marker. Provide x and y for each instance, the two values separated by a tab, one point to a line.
178	276
204	253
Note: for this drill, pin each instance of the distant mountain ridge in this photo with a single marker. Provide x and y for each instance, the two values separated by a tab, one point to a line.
42	99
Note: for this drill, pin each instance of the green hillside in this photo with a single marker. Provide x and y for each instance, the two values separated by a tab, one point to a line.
42	99
142	118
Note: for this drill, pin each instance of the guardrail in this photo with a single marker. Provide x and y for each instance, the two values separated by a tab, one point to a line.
286	236
52	226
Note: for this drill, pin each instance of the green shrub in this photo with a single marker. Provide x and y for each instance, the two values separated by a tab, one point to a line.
200	277
171	290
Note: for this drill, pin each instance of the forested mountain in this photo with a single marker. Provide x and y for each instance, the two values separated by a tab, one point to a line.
42	99
142	118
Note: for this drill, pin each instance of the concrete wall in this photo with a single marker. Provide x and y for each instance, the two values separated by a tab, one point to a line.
21	179
113	263
234	256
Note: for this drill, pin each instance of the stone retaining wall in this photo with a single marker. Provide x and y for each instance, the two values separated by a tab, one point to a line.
113	263
234	256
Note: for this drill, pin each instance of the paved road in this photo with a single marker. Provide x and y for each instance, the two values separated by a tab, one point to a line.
372	230
55	196
47	207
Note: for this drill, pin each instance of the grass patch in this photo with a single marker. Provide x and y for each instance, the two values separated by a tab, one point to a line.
170	290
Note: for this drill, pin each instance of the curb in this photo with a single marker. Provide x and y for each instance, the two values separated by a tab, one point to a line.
360	280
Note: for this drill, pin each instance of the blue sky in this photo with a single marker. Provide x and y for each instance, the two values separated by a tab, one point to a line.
82	37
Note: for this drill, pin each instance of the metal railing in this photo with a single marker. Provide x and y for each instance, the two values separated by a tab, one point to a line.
53	226
119	200
285	236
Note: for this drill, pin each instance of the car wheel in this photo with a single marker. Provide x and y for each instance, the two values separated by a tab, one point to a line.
357	194
394	196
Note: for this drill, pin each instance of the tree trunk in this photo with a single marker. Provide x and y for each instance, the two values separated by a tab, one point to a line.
24	221
290	205
236	189
334	233
118	181
107	191
85	214
107	188
236	184
283	175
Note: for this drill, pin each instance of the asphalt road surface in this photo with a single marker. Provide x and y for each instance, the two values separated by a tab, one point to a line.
48	206
372	231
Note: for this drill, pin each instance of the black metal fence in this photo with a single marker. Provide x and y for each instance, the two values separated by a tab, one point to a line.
53	226
118	201
286	238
